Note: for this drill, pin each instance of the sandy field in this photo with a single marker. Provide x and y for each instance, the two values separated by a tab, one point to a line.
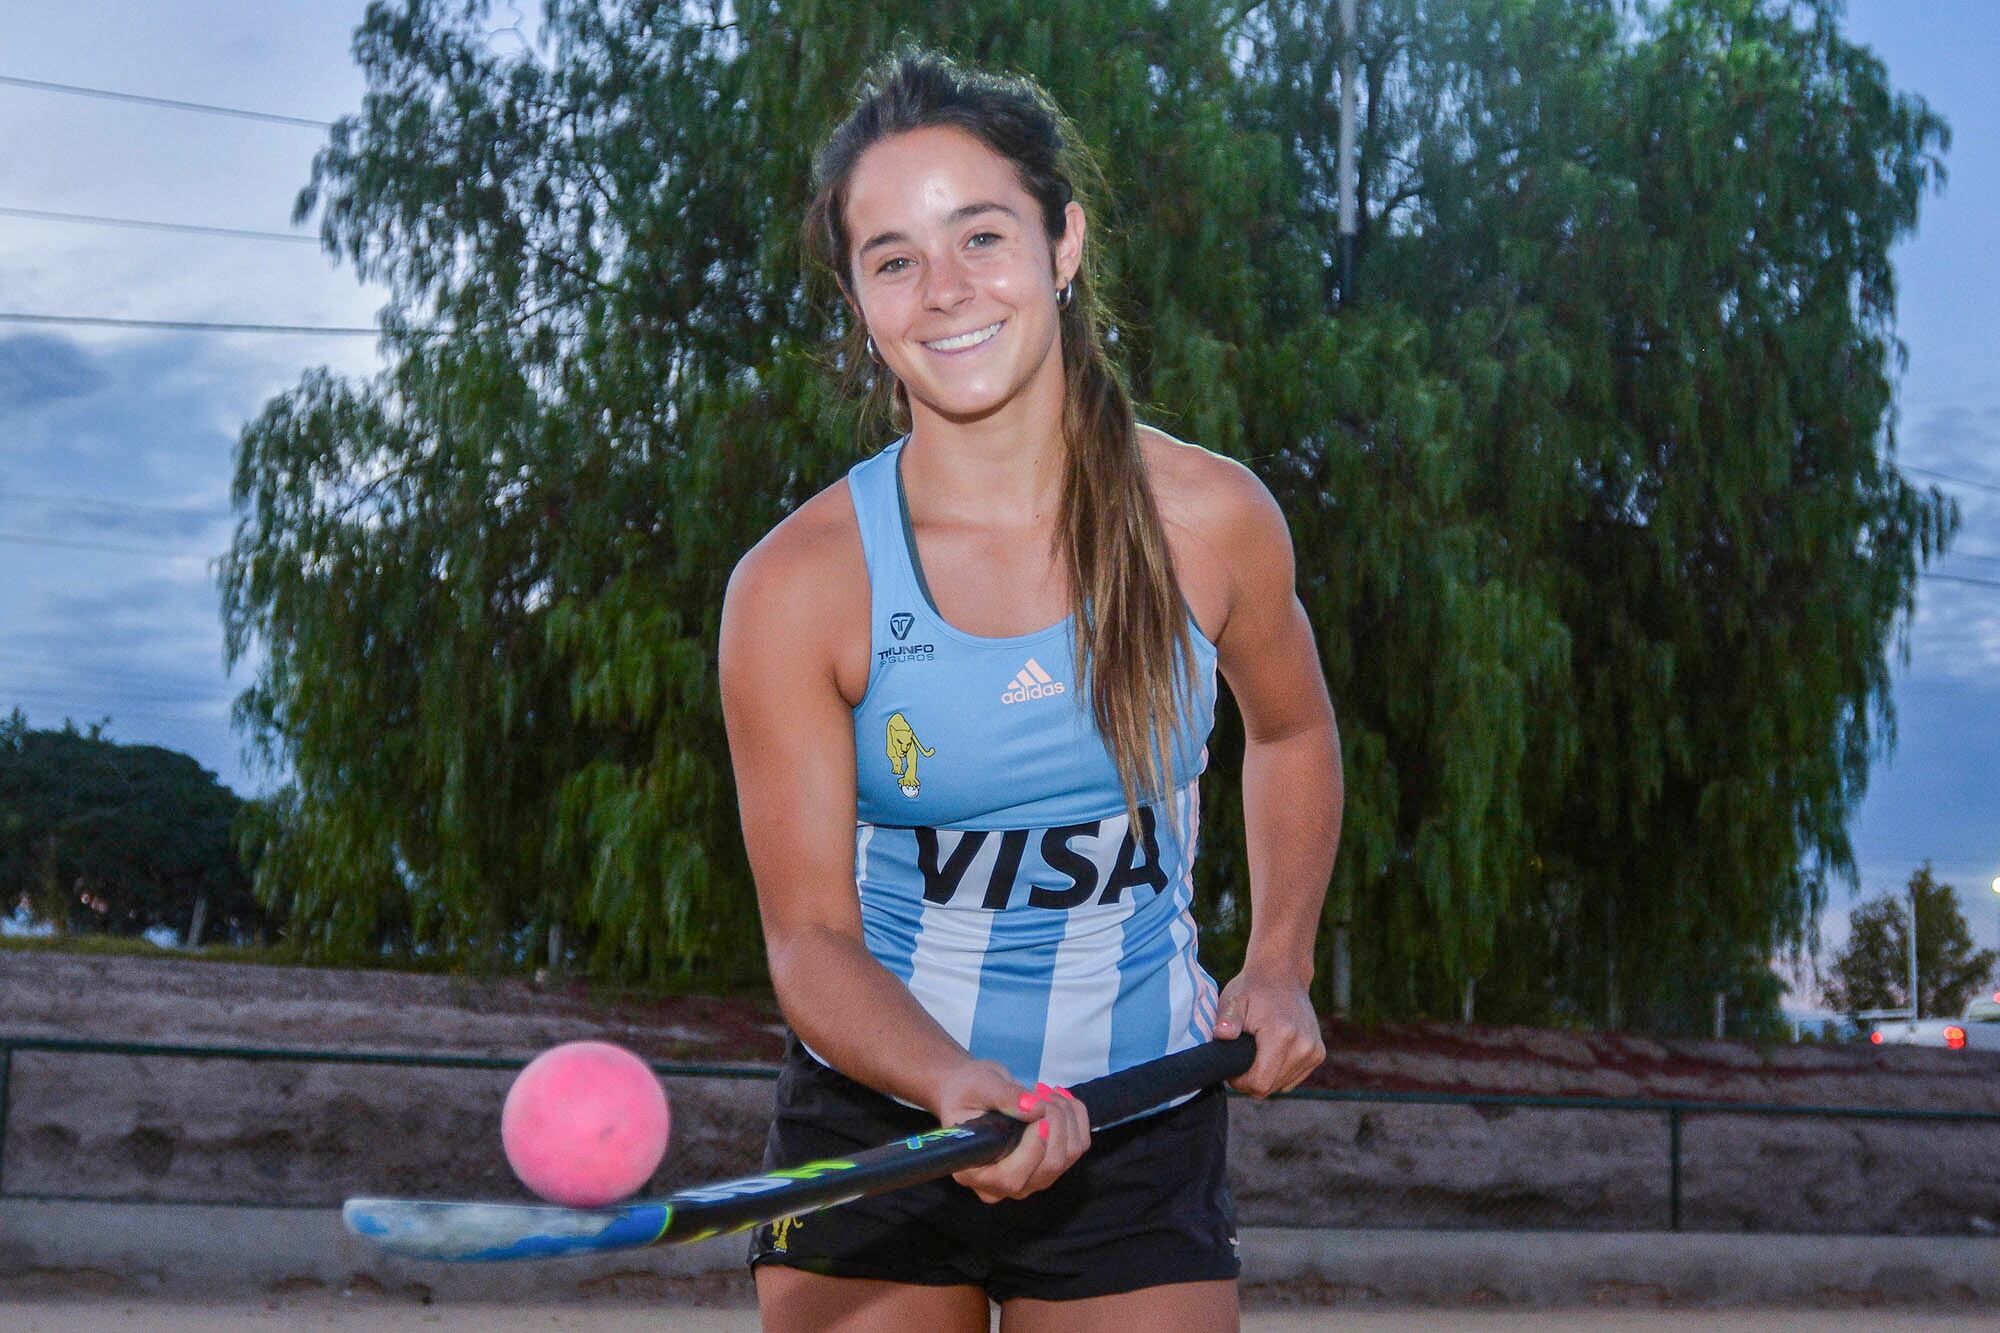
94	1315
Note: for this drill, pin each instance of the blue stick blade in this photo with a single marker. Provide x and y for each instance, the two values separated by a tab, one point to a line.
475	1232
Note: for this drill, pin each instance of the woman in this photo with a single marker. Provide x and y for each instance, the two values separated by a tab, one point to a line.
968	691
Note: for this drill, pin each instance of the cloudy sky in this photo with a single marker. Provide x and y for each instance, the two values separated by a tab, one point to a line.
116	444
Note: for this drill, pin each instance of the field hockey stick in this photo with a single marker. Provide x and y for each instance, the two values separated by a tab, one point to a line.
429	1229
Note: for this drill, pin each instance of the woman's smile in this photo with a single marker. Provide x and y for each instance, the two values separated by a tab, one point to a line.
954	275
965	342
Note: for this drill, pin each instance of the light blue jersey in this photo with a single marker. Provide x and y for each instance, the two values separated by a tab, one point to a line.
999	876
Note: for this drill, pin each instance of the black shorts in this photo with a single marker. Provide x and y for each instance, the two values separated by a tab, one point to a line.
1147	1205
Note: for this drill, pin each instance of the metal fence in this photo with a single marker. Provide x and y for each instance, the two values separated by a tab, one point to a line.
1492	1161
268	1126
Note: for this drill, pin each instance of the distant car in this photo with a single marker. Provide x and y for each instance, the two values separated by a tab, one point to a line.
1824	1026
1977	1029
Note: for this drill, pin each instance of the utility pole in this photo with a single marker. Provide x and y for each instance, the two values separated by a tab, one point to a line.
1916	1007
1343	920
1996	926
1349	99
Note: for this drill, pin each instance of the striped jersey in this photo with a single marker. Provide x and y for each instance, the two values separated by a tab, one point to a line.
999	875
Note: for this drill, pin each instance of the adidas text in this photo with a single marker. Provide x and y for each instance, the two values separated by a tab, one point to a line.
1030	682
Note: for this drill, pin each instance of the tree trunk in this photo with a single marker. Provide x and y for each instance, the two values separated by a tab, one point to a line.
1343	971
195	924
1611	1014
54	904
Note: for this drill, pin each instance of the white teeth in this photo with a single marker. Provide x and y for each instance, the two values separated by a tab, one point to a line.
963	340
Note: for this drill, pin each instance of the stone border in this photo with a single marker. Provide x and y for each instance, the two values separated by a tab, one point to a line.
1662	1269
201	1249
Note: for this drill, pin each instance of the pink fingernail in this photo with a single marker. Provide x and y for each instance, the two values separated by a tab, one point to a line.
1027	1101
1067	1093
1043	1129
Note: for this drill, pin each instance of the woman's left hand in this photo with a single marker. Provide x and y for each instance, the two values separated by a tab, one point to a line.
1275	1008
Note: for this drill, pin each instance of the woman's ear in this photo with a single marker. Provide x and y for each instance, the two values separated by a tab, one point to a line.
1069	249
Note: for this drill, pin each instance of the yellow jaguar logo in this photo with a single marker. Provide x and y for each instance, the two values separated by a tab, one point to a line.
904	747
781	1233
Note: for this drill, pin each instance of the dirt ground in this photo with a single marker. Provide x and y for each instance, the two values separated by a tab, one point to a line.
244	1131
267	1316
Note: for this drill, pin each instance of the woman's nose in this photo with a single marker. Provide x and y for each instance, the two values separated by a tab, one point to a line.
946	282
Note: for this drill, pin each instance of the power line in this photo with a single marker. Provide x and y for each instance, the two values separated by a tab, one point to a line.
1962	578
89	674
43	85
185	325
165	708
237	233
28	539
99	502
69	689
1946	476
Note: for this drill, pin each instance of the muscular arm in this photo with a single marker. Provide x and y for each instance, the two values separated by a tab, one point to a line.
1291	786
791	744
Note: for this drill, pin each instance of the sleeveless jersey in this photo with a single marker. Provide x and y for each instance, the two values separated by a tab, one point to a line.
999	876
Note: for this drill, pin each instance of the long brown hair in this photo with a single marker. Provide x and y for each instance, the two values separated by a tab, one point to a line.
1132	639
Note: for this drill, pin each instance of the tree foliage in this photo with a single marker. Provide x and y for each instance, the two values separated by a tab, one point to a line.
1591	487
120	839
1613	672
1872	971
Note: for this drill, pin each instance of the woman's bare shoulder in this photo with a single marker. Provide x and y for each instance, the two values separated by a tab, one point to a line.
1198	489
811	560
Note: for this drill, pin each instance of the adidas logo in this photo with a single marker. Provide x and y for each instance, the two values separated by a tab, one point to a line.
1031	682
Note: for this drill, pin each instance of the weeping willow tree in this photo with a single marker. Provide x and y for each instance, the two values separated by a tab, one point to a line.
1608	718
1592	492
488	580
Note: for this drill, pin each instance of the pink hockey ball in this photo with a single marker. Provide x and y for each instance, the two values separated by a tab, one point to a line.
585	1124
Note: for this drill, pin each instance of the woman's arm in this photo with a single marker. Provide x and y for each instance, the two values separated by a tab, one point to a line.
1291	781
791	744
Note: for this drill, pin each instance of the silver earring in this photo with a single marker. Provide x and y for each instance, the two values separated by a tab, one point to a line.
873	355
1067	293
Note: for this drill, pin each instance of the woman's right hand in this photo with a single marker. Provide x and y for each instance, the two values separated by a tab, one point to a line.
1058	1129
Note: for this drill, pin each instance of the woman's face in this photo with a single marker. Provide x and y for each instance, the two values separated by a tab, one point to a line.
951	271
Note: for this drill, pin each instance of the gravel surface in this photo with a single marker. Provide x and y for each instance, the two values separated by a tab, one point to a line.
89	1315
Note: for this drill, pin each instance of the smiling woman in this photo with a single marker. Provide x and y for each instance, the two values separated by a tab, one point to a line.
971	271
969	691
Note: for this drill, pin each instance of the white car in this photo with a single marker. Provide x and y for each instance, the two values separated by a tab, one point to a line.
1977	1029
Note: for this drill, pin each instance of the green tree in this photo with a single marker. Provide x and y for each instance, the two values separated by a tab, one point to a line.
488	581
1647	255
100	836
1873	970
1592	490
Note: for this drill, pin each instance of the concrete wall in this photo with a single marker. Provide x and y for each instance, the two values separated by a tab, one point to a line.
150	1248
160	1129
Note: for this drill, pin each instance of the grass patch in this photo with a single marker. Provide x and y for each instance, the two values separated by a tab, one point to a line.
281	954
137	946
